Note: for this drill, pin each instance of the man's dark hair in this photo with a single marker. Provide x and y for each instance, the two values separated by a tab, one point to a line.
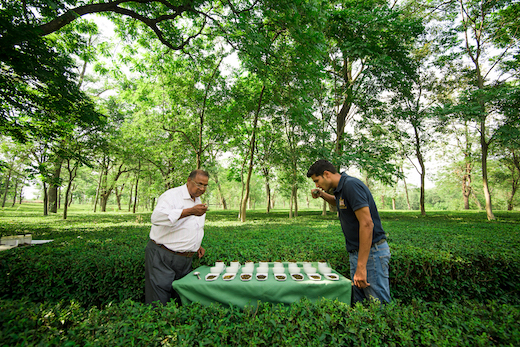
321	166
194	173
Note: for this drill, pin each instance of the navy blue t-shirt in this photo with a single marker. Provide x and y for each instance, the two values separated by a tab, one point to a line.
351	195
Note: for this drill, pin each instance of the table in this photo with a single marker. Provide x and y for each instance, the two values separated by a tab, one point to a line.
244	293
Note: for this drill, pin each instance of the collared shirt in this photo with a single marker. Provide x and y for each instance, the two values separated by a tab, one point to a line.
178	234
351	195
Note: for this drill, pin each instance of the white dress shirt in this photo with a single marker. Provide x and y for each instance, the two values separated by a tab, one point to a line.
178	234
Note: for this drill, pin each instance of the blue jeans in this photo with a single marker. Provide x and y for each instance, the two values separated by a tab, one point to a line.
377	274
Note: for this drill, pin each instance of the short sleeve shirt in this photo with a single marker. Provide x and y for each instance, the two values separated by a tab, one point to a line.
351	195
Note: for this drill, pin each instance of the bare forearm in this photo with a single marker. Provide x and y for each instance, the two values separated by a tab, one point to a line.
331	199
365	242
366	227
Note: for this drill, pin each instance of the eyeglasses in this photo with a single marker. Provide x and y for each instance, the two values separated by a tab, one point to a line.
200	185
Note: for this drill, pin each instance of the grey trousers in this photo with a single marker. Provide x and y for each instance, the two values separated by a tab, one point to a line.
162	267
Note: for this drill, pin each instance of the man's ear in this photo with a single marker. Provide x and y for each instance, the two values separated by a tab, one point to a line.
326	174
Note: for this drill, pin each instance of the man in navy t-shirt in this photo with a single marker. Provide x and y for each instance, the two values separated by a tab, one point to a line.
365	238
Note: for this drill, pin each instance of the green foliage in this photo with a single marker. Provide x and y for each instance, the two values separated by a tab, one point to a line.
39	94
302	324
455	281
97	259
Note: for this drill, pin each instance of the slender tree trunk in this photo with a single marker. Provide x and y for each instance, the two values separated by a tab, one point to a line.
466	187
219	190
119	193
15	192
422	173
267	189
136	187
45	200
510	200
475	56
487	194
72	175
54	185
406	192
98	191
342	116
251	158
291	204
131	190
6	190
514	180
295	194
104	200
324	210
393	204
466	178
477	201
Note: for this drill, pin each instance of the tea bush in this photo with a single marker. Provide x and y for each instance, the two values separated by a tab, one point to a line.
324	323
96	260
455	278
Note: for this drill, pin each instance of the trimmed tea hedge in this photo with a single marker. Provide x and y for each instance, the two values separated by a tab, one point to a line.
443	259
325	323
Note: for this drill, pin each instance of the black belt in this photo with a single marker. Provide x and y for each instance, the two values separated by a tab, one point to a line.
380	242
184	254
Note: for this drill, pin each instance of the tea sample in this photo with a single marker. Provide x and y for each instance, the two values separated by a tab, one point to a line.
297	277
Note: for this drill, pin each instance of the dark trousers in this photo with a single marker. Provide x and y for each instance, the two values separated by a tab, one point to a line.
162	267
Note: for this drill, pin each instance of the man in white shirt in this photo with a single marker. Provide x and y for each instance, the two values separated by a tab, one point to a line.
175	237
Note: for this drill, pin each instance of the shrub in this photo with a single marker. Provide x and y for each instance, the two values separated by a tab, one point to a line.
442	258
303	324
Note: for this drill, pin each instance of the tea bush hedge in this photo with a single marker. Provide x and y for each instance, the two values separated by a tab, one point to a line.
325	323
439	258
455	278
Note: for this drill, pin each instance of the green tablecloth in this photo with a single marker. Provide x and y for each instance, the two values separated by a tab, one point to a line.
242	293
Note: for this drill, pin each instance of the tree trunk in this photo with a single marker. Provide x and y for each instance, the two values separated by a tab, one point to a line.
54	185
487	194
119	193
97	191
291	204
466	178
136	187
45	200
324	210
6	190
295	197
131	190
15	192
220	194
422	173
393	204
406	193
72	175
514	181
104	200
267	189
251	158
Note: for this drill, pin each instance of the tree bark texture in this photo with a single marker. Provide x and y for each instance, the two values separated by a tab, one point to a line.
243	208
